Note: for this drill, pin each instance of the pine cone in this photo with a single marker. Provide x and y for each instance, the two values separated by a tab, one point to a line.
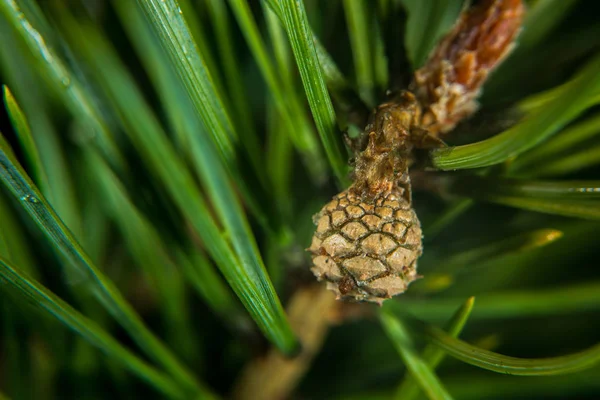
366	250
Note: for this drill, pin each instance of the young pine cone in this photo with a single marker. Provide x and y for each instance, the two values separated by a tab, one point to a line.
366	250
368	237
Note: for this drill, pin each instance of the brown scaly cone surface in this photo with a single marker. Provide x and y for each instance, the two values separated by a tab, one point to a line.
366	251
368	237
448	85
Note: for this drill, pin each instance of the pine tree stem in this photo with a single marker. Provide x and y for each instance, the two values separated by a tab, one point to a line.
274	376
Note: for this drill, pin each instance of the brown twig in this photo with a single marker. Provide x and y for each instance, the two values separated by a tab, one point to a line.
274	377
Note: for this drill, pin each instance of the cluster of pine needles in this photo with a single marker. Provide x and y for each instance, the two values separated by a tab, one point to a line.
160	161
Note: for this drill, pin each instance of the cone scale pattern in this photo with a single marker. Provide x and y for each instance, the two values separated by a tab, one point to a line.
366	251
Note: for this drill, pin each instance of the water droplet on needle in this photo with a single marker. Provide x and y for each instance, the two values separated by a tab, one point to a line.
30	199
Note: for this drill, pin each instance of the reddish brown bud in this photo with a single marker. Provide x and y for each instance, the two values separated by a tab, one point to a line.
450	82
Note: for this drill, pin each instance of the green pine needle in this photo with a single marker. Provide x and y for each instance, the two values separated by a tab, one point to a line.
42	298
418	367
178	149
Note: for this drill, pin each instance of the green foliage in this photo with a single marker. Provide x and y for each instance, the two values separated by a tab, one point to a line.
84	270
246	274
569	198
512	365
433	356
575	97
157	191
38	296
427	22
63	81
418	368
295	22
297	125
26	140
363	50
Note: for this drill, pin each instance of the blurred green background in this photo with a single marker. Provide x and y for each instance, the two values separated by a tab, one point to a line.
161	161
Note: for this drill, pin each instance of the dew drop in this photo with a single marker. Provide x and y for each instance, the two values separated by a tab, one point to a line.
65	81
30	199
